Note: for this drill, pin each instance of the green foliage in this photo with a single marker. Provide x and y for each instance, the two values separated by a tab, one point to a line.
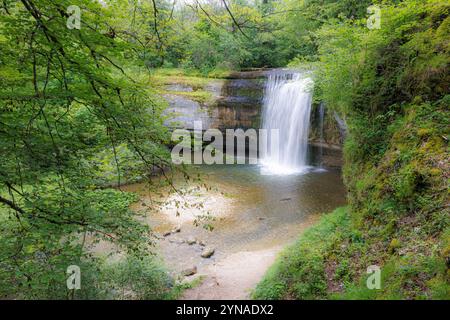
73	109
213	48
141	278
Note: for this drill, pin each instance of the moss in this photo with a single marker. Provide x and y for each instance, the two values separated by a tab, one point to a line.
424	132
187	77
203	97
394	245
435	171
163	77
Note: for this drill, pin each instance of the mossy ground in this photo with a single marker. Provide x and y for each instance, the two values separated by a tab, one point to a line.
193	79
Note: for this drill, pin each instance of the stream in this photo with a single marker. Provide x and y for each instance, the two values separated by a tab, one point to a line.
254	217
228	230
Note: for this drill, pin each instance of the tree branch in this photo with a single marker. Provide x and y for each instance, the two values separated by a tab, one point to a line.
234	20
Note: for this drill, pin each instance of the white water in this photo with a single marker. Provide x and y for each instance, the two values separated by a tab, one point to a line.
287	107
321	116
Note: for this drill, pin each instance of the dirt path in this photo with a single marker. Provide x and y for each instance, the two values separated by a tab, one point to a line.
234	276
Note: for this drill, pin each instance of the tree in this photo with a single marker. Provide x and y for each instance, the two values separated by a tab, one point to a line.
66	95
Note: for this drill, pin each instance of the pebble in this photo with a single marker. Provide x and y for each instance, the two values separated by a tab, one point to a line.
207	252
189	271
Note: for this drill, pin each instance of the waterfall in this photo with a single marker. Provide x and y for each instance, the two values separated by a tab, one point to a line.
286	107
321	116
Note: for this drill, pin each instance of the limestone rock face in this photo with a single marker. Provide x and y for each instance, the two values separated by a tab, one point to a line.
236	102
326	137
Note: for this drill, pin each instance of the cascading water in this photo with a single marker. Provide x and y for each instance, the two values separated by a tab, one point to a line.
321	116
287	107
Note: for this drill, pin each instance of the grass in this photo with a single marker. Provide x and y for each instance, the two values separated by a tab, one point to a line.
137	278
179	76
187	77
328	262
179	289
299	271
193	79
201	96
143	278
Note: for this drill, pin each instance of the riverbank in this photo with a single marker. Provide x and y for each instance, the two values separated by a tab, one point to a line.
301	271
246	219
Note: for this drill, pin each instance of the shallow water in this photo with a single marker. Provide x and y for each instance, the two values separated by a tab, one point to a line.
268	208
253	212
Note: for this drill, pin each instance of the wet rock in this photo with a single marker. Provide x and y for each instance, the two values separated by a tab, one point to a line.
208	252
189	271
191	241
